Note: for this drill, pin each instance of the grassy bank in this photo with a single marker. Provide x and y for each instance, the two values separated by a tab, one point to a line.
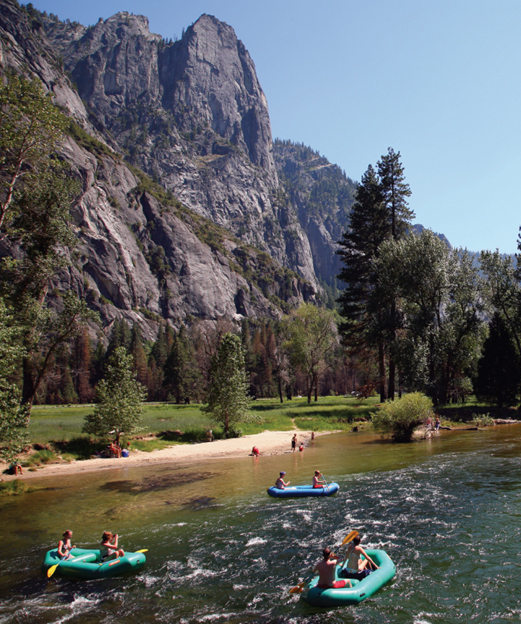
58	428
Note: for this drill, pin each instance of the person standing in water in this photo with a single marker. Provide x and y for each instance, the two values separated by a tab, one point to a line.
294	442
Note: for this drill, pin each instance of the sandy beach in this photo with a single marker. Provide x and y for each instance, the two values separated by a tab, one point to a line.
268	443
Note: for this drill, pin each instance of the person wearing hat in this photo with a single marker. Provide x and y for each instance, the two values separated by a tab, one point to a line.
280	483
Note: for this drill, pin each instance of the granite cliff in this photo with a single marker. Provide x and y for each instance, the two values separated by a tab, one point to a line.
187	209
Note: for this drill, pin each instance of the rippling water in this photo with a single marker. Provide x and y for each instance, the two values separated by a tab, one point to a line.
448	512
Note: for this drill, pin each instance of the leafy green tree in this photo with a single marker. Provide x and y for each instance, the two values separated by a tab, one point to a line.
14	418
401	417
441	294
503	290
228	400
119	399
36	191
499	372
312	336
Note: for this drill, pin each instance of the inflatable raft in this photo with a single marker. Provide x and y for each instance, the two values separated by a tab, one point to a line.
87	564
359	591
303	490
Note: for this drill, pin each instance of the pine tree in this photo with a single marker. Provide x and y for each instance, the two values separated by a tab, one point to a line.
181	374
499	372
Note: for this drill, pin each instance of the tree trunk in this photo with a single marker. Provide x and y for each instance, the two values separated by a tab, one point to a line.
381	370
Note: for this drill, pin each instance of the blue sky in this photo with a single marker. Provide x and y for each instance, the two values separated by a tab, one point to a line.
439	82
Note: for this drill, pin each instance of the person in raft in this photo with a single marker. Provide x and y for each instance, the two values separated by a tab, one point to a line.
109	546
354	566
280	483
65	545
326	571
317	482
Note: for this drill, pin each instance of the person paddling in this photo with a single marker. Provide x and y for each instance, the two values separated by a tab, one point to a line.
280	483
317	482
326	571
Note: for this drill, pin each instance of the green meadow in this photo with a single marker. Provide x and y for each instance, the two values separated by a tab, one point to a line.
60	427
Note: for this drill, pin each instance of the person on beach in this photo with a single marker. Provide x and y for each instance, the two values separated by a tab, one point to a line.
109	546
301	447
354	566
326	571
65	545
312	436
437	424
317	482
294	442
16	468
255	451
280	483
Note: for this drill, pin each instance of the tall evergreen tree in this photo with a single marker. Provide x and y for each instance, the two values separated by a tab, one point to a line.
181	374
499	372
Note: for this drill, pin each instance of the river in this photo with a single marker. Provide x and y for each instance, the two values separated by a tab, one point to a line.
447	511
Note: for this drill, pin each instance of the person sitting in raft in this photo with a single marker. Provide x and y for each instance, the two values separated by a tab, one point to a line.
354	566
317	482
65	545
109	547
326	571
280	483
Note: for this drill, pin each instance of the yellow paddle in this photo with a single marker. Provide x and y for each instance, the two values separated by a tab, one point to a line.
52	569
298	588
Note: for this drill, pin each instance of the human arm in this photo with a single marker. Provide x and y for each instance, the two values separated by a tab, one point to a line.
362	552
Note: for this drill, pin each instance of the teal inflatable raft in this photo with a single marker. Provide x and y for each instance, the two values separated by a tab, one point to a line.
87	564
359	591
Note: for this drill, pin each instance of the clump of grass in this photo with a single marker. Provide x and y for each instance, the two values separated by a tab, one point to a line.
482	420
14	488
39	458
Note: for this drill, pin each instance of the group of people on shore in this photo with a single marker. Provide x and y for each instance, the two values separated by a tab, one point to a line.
109	546
294	442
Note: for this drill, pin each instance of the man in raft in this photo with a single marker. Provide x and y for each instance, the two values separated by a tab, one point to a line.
280	483
326	571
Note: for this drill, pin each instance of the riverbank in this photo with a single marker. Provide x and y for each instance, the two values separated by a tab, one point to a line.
268	443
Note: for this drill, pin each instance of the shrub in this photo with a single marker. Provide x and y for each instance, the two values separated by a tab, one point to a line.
401	417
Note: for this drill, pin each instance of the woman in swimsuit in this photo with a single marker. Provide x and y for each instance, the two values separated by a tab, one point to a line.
109	546
317	482
65	545
355	566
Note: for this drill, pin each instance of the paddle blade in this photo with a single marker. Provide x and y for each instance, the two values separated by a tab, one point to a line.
142	550
52	570
297	589
349	537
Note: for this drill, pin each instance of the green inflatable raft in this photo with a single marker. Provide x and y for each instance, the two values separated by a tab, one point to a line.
360	590
87	564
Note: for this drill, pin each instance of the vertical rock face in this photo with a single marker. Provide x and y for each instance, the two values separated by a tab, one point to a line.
219	228
191	114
